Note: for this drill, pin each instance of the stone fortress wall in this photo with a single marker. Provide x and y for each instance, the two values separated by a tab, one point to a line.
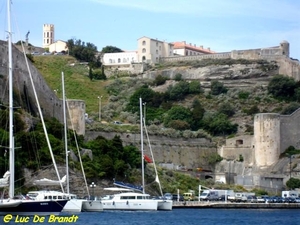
280	54
51	105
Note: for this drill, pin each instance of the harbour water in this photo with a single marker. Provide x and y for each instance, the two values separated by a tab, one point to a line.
177	216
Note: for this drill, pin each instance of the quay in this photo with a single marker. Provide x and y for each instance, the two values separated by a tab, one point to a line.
230	205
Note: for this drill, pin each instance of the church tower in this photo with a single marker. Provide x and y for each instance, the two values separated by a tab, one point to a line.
48	35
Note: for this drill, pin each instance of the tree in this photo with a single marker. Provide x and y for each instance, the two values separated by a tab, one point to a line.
227	109
159	80
178	113
178	91
83	51
195	87
293	183
217	88
197	114
219	124
282	87
110	49
178	77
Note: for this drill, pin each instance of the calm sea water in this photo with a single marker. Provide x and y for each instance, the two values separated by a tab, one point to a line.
179	217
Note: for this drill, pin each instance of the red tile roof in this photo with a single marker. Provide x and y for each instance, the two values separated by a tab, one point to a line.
182	44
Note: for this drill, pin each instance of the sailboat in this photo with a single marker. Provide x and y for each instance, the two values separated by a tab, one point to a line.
127	197
74	204
25	206
85	205
163	204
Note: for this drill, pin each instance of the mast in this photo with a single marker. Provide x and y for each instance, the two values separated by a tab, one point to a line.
142	145
11	109
65	131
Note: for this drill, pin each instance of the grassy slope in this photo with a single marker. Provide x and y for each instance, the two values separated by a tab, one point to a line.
77	83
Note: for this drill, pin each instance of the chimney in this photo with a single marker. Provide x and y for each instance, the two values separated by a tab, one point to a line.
208	48
194	45
191	44
201	46
184	42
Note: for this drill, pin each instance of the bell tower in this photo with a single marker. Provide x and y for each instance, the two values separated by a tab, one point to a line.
48	35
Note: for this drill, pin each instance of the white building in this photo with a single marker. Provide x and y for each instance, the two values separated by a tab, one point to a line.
120	58
58	46
149	51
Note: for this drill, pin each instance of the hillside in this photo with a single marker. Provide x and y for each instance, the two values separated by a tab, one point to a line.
77	83
246	82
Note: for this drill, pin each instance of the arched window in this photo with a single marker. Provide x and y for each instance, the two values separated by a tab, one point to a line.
110	61
124	60
119	60
144	58
144	43
143	50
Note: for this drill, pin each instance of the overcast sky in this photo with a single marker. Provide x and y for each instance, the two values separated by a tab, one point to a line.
222	25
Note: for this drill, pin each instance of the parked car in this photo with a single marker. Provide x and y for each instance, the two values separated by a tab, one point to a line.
46	53
175	197
168	196
252	199
58	53
261	199
35	53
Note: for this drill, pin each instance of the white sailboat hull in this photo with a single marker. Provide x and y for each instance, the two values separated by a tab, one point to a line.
73	205
9	203
164	204
130	205
92	206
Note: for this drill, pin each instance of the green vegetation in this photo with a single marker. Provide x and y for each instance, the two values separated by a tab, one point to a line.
293	183
283	87
85	52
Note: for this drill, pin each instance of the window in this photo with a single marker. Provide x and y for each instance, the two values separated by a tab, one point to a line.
144	43
156	44
124	60
143	58
159	47
239	142
119	60
110	61
156	51
143	50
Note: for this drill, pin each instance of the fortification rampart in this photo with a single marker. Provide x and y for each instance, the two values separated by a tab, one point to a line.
280	54
51	105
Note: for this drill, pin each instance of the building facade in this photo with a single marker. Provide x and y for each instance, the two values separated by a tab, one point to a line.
58	46
120	58
48	35
152	50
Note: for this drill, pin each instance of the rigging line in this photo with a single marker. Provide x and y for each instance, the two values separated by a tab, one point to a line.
75	138
41	117
156	174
